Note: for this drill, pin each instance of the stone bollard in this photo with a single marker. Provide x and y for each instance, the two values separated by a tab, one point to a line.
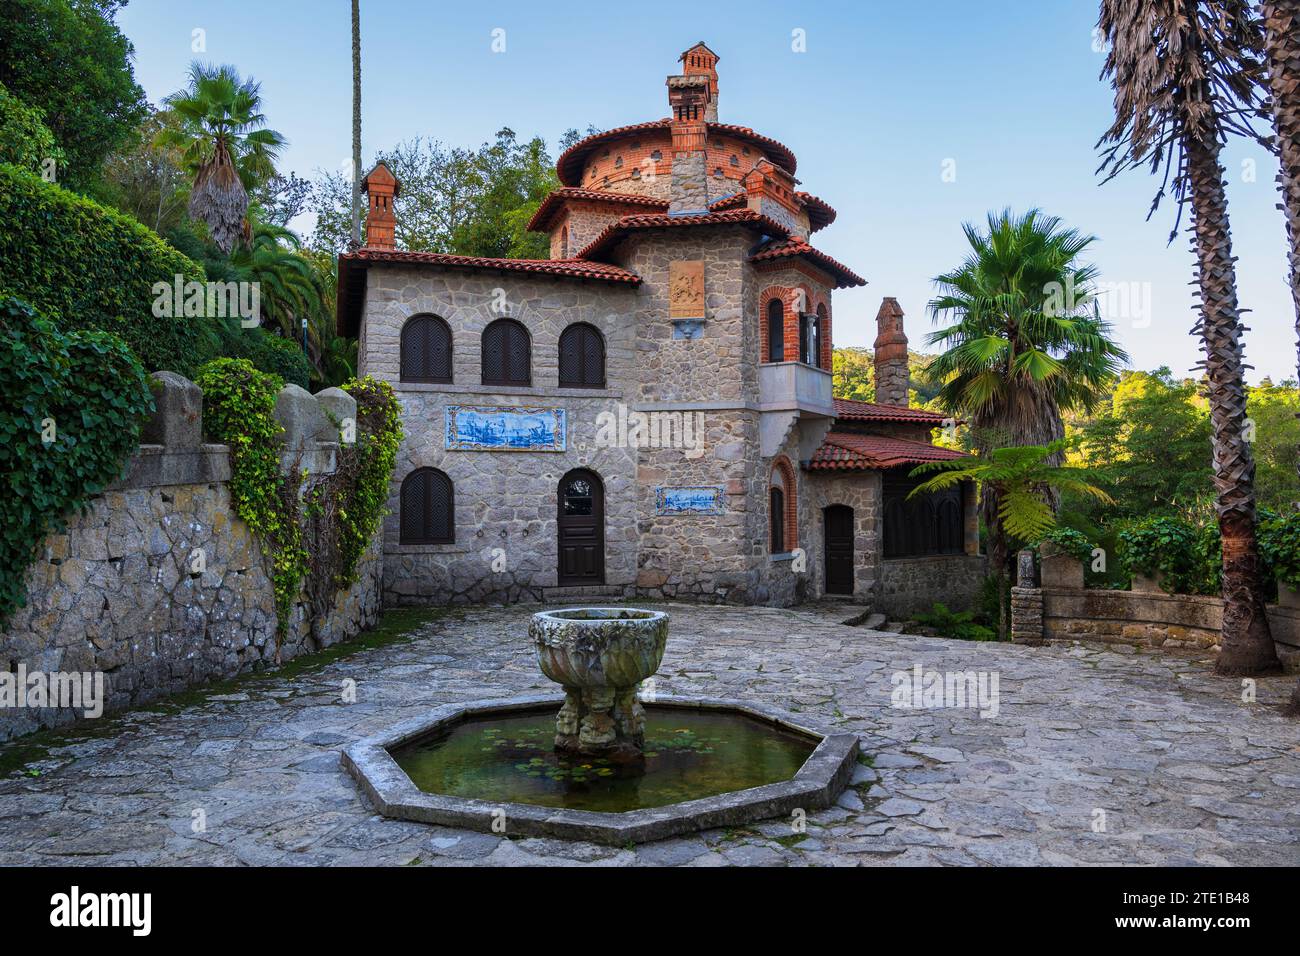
178	416
300	417
340	409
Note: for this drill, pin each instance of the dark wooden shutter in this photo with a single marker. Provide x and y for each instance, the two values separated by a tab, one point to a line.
426	350
775	331
506	359
427	508
582	357
928	525
777	520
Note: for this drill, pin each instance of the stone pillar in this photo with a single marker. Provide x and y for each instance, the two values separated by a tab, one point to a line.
892	377
970	508
1026	602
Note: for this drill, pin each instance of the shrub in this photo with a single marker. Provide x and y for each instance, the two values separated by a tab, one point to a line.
1074	543
1187	556
1279	546
90	267
956	624
268	352
74	404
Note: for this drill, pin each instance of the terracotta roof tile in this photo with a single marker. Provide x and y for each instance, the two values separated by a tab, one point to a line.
820	212
797	248
352	267
614	231
848	451
871	412
557	198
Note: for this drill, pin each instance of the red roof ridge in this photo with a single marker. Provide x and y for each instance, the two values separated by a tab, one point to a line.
795	246
875	412
853	450
730	217
556	197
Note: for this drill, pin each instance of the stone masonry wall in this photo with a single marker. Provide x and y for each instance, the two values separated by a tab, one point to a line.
120	590
912	585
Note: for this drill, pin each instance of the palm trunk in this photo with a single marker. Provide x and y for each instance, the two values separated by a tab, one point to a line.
355	237
1247	644
1282	45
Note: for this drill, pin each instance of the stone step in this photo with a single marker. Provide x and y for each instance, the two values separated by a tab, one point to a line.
581	593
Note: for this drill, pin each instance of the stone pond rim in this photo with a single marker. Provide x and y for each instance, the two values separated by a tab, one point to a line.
815	786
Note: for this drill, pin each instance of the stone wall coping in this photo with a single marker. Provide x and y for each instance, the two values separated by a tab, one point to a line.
153	466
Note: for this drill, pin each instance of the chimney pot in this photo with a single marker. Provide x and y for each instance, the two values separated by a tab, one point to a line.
893	380
382	187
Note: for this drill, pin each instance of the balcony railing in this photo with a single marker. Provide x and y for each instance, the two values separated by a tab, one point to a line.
790	386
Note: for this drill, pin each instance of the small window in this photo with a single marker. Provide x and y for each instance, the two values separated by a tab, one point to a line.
806	348
776	519
582	357
775	331
506	354
819	331
426	350
564	243
427	508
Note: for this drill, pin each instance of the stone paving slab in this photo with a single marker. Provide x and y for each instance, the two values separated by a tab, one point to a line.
1094	757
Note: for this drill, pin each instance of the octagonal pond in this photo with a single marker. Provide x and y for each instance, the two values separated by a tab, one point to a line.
689	754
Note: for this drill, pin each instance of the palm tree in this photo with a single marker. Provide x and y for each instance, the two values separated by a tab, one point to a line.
1282	44
1026	478
225	146
1185	74
290	287
1027	342
355	238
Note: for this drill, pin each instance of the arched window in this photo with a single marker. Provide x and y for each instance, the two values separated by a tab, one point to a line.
776	519
775	331
806	333
506	358
783	507
426	350
820	329
428	514
582	357
564	243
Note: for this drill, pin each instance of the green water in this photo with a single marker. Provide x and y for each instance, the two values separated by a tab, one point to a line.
689	754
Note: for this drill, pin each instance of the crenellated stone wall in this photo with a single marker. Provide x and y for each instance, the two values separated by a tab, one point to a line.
159	586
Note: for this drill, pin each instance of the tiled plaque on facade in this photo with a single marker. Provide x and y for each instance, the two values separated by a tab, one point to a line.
505	428
686	289
689	500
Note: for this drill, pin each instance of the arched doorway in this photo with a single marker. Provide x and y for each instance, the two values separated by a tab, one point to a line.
581	528
837	524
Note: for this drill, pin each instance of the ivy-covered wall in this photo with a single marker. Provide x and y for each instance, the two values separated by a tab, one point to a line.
160	585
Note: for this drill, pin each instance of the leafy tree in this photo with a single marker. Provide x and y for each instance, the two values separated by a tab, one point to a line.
281	199
68	59
1187	73
455	200
225	146
25	140
145	180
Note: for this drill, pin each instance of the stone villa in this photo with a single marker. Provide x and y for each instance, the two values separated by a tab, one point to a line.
648	412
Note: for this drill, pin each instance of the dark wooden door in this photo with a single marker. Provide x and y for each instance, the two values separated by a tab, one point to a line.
581	529
837	521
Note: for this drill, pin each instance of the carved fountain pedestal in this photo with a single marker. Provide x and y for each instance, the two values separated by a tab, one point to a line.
600	656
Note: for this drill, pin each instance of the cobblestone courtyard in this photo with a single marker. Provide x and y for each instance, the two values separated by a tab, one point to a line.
1185	772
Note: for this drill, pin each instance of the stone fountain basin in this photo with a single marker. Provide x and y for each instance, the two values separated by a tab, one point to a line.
598	647
815	786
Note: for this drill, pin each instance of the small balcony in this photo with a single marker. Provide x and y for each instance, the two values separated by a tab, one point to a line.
795	386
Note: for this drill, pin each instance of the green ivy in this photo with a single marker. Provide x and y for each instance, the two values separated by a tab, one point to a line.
73	406
378	434
1188	557
91	267
1074	543
239	411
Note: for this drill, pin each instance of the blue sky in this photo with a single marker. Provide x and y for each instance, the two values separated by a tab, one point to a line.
878	108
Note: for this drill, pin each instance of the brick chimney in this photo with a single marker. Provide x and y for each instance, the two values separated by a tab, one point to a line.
689	98
699	60
382	188
892	378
